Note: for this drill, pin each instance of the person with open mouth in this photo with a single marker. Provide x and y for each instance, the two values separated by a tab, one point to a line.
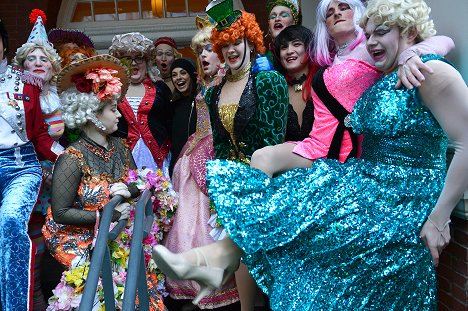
281	14
165	54
265	226
247	111
145	122
183	111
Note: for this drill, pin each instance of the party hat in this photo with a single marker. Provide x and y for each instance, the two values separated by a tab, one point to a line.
38	34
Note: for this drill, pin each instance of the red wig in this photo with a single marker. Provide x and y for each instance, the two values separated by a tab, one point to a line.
246	26
67	54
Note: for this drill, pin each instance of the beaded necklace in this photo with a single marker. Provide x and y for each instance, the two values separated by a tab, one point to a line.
240	75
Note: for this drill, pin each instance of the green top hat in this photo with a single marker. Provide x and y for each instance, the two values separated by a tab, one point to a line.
222	11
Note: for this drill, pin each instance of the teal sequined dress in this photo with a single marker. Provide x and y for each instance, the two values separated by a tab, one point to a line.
344	236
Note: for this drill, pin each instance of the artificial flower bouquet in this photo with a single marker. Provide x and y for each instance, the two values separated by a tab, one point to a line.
68	293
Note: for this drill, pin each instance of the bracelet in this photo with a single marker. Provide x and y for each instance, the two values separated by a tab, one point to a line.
45	173
438	229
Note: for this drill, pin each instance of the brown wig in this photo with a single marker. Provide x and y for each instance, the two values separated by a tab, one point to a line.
246	26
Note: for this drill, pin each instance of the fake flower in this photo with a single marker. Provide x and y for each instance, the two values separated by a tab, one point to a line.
100	81
104	84
67	295
82	84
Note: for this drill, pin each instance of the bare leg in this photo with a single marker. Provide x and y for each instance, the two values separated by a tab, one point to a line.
273	160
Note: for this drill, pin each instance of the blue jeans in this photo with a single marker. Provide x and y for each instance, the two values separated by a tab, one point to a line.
20	181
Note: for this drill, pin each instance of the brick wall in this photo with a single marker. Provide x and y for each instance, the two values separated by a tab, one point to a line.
452	273
15	15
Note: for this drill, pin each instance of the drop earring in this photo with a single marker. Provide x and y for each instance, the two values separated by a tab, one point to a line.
97	123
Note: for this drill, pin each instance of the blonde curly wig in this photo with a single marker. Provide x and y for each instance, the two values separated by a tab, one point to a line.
405	14
23	51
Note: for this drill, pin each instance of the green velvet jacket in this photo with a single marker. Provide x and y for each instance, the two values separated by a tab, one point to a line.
260	119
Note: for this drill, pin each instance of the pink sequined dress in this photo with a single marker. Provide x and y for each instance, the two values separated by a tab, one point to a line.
345	80
190	228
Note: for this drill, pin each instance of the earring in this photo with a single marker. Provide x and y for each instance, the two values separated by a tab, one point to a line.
97	123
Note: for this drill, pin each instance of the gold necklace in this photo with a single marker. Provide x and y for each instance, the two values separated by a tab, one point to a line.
240	75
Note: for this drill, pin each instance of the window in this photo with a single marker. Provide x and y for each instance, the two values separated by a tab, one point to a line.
102	19
120	10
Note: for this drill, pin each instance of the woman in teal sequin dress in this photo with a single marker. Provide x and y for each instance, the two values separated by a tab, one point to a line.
355	235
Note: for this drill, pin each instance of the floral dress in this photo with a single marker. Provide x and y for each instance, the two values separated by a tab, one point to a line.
81	181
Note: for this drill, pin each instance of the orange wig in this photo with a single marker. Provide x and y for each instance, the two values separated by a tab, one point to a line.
67	54
246	26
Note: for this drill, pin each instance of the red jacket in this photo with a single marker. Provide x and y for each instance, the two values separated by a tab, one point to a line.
152	122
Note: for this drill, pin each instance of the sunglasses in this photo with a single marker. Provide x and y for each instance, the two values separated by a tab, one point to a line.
127	59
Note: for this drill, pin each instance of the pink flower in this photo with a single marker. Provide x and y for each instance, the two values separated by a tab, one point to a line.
132	176
105	85
147	258
152	179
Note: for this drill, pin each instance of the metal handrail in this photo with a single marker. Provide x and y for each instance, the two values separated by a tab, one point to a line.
136	273
100	260
101	263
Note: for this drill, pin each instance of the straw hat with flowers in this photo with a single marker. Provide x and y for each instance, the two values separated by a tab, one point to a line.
102	75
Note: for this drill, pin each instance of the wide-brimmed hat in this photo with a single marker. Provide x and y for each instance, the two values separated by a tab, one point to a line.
68	76
59	36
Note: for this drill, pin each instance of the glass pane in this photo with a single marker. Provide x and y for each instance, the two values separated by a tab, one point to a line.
128	9
151	8
104	11
175	8
197	7
82	13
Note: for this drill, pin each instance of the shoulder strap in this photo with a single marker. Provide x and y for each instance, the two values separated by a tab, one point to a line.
339	112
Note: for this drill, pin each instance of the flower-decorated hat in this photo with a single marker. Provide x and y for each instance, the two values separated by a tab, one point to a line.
103	75
58	36
293	5
222	11
38	34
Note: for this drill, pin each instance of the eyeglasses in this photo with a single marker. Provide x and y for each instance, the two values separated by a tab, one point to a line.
127	59
207	47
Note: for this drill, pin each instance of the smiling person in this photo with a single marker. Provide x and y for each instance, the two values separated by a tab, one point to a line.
183	111
165	52
247	111
39	57
191	227
351	236
145	109
346	72
294	46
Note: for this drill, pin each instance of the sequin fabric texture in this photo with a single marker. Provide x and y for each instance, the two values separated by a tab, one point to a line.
344	236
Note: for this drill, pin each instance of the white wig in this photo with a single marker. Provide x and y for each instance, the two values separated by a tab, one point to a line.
79	108
324	44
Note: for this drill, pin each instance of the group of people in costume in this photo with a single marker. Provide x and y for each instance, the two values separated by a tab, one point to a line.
309	167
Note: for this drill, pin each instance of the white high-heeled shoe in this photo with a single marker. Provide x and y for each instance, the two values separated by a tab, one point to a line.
177	267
